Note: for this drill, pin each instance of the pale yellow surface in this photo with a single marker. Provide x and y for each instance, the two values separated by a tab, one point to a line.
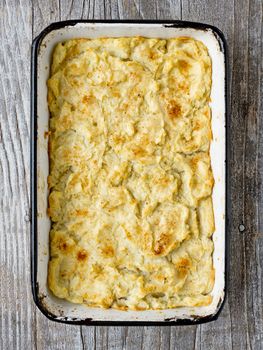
130	176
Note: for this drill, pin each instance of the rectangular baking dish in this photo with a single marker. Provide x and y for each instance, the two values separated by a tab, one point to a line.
61	310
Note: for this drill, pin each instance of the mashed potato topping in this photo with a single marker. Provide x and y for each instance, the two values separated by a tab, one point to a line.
130	175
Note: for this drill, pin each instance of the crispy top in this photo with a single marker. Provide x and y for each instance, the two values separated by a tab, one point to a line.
130	176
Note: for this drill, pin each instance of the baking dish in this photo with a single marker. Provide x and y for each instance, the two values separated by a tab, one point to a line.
61	310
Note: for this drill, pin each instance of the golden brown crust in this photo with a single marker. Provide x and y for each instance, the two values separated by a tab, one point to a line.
130	175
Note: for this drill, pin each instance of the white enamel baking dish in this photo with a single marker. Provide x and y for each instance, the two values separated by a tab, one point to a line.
63	311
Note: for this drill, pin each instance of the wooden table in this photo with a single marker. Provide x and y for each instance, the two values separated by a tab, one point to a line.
240	325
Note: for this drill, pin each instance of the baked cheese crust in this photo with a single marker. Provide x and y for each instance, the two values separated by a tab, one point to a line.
130	174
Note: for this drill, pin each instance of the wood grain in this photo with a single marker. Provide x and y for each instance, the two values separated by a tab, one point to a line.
17	312
240	325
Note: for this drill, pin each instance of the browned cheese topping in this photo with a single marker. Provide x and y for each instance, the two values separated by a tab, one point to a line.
130	175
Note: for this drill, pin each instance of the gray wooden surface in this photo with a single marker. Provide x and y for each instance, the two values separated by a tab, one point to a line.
240	325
